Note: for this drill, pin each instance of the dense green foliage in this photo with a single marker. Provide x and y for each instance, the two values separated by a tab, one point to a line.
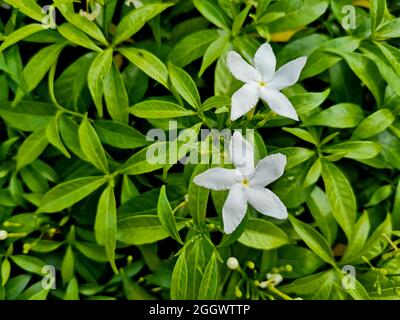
77	192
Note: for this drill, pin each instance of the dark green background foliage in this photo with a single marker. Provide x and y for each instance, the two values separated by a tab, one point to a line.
77	193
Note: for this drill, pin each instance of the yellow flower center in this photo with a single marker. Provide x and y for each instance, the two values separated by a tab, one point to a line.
245	182
262	83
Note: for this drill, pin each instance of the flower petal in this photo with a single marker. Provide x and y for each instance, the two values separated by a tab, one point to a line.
288	74
265	61
242	154
240	69
234	208
266	202
278	103
217	178
244	100
268	170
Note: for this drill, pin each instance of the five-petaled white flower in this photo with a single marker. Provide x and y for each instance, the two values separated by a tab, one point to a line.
263	82
246	183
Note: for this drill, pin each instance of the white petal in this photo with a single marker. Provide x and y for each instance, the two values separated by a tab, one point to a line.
288	74
278	103
240	69
217	178
234	208
265	61
241	153
268	170
244	100
266	202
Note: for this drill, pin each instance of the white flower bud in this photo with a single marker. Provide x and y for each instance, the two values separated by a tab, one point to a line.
275	278
232	263
3	234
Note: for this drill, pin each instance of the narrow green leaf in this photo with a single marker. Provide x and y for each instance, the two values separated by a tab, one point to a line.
340	195
373	124
32	148
179	281
91	146
136	19
20	34
70	192
159	109
105	226
166	216
313	240
116	97
198	197
209	283
76	36
53	136
99	68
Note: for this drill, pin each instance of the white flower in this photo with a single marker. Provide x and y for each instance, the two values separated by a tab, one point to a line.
3	234
263	82
246	183
275	278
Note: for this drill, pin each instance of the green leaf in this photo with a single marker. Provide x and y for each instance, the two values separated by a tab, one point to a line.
105	226
210	281
198	197
31	148
367	71
358	238
89	27
72	291
302	134
159	109
296	155
179	281
376	13
99	68
381	194
70	192
68	265
119	135
390	29
20	34
76	36
53	136
37	67
142	229
192	47
184	85
214	51
136	19
319	208
213	12
166	216
28	7
340	195
373	124
28	116
134	291
263	235
5	271
357	150
148	63
28	263
116	97
91	146
396	208
313	240
345	115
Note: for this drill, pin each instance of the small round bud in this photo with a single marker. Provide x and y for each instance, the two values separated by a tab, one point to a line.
238	293
26	248
232	263
129	259
288	268
6	223
263	284
383	271
256	283
211	226
275	270
3	234
52	230
251	265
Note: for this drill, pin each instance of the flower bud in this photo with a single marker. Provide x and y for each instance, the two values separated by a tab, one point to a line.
275	278
288	268
251	265
26	248
263	284
232	263
238	293
3	234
